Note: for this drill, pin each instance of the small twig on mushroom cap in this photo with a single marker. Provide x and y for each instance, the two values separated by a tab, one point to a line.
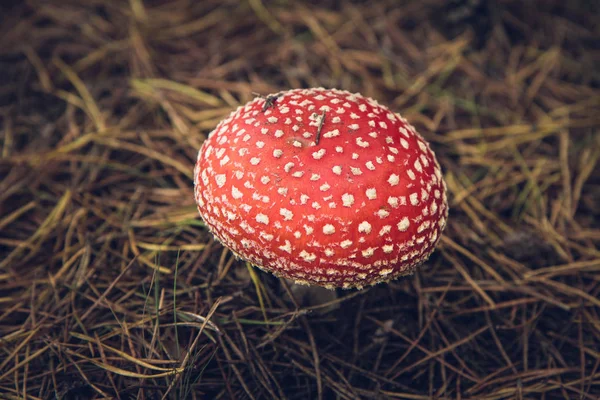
321	122
269	100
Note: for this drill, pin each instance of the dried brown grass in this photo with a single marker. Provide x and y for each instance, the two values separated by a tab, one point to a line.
111	287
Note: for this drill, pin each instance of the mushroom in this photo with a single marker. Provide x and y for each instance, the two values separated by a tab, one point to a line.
322	186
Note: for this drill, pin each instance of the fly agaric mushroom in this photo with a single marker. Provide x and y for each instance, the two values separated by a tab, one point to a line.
322	186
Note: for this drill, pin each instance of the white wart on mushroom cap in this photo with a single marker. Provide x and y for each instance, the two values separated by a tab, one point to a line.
364	205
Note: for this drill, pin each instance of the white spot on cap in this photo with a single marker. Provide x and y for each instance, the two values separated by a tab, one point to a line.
308	257
272	120
368	252
393	179
347	199
254	160
287	167
393	201
262	218
411	174
418	166
362	143
353	127
220	179
388	248
277	153
287	247
244	225
265	179
337	169
381	213
328	229
364	227
356	171
266	236
414	199
235	193
278	133
298	174
282	191
286	214
224	161
370	166
345	244
204	175
385	230
371	193
404	143
423	226
317	155
433	236
324	187
403	224
331	134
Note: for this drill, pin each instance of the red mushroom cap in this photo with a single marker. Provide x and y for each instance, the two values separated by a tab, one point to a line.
323	187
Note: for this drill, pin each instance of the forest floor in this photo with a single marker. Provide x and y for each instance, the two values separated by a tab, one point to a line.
111	286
